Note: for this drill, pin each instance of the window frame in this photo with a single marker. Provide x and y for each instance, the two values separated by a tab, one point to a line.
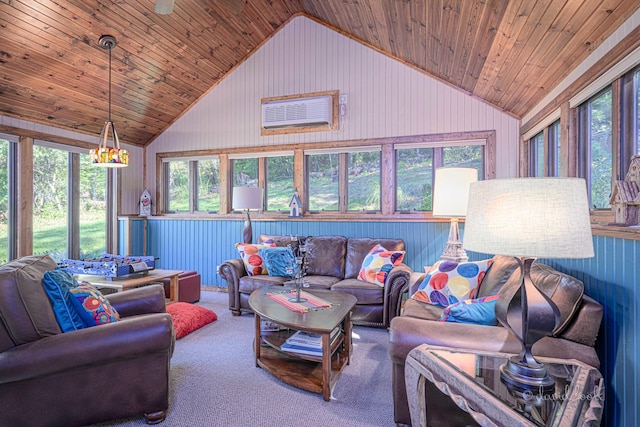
193	183
387	177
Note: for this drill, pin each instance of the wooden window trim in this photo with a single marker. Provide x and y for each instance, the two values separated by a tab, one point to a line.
389	145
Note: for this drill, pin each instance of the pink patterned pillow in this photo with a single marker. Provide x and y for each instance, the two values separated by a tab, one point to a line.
378	263
253	262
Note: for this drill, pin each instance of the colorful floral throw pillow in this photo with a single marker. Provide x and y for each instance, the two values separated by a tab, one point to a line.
378	263
450	282
253	262
92	306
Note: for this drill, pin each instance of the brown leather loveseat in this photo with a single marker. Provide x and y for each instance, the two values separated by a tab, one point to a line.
573	339
107	372
333	263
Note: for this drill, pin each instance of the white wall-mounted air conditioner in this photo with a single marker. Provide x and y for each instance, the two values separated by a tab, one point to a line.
298	112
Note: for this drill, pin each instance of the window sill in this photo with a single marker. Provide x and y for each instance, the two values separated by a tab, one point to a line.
319	216
617	231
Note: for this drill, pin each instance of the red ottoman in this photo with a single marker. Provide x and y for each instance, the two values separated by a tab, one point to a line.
188	286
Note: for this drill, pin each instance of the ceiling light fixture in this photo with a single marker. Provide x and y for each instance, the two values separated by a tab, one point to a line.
106	156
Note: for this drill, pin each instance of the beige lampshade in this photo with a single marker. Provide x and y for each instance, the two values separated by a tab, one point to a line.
451	191
533	217
247	198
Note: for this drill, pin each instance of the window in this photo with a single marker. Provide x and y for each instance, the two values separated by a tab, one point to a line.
93	208
178	186
322	182
363	177
536	155
414	179
7	198
208	199
344	179
191	184
554	149
50	191
595	147
415	169
279	186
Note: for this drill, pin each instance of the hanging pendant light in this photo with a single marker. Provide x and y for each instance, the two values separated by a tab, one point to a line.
110	157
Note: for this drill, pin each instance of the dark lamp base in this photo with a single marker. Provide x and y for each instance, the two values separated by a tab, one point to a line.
522	378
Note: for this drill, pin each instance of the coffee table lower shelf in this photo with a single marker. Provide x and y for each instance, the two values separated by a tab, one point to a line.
301	373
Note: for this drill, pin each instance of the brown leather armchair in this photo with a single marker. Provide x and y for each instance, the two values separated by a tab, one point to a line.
107	372
418	324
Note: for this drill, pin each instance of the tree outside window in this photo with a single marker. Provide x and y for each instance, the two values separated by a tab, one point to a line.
363	175
208	185
178	186
50	191
323	185
279	183
4	200
599	143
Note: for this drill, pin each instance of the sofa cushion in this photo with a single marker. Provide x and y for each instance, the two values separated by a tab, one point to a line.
358	248
366	293
326	255
450	282
378	263
281	241
479	311
419	310
92	306
24	306
57	284
248	284
320	282
253	262
280	261
500	270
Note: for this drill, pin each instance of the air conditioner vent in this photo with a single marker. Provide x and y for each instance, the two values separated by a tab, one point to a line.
313	111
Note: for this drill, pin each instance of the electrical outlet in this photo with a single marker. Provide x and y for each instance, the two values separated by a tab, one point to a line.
343	99
343	109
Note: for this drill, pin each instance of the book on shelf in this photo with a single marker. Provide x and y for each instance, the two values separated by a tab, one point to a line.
306	342
301	349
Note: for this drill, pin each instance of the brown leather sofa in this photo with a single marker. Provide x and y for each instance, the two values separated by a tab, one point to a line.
100	373
334	263
573	339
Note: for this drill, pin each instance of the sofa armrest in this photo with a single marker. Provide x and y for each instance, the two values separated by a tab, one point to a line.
395	288
98	345
232	270
144	300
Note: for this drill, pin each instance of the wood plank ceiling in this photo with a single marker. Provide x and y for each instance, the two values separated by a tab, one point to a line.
508	52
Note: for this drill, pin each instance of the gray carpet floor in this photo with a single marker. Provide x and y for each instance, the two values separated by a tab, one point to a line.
214	381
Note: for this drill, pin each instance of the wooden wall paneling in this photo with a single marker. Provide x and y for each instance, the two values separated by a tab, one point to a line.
24	215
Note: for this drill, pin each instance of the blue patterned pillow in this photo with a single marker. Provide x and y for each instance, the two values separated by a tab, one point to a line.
480	311
92	306
57	284
280	261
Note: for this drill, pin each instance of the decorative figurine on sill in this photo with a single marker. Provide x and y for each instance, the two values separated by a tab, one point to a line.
625	196
295	205
145	203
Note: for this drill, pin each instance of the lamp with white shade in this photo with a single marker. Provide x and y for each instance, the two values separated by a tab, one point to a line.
450	197
529	218
247	198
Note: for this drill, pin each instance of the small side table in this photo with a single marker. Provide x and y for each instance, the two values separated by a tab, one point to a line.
472	380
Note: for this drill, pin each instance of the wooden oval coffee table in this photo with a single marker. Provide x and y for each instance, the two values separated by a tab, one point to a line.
300	370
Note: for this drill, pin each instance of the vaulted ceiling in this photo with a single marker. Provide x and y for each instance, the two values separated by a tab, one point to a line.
508	52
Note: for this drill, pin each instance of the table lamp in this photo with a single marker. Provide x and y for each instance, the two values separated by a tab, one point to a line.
529	218
450	197
247	198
